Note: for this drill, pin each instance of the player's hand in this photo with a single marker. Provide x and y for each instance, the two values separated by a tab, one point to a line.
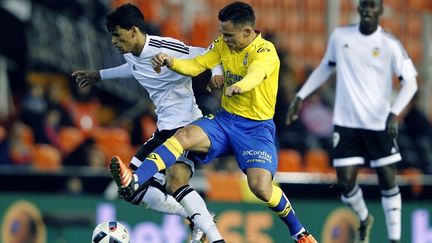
160	60
392	125
216	82
293	110
85	78
232	90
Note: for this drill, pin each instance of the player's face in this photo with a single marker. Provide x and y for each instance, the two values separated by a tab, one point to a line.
234	36
369	11
123	40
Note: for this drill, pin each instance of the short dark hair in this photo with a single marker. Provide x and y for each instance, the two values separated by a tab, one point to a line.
126	16
237	13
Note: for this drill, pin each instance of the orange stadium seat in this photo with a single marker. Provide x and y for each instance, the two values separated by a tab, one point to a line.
114	141
148	125
27	135
315	6
317	160
224	186
414	177
289	160
70	138
46	157
414	25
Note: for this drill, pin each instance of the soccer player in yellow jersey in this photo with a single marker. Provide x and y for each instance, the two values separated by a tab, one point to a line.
244	127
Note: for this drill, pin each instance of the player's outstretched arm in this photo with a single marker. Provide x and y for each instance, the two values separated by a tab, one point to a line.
85	78
293	110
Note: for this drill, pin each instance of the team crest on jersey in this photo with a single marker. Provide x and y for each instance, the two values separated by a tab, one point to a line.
336	138
376	52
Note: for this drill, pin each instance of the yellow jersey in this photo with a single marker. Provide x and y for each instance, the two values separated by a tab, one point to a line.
255	70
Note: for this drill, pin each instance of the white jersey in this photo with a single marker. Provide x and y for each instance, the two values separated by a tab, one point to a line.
170	92
364	68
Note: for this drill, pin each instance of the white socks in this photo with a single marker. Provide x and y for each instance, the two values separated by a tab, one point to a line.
158	201
391	201
355	201
197	210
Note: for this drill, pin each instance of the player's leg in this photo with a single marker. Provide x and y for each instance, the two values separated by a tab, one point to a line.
152	194
391	201
191	137
255	151
385	153
348	149
260	183
178	177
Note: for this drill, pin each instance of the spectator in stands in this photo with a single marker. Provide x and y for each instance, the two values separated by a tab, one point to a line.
20	142
34	108
50	128
365	123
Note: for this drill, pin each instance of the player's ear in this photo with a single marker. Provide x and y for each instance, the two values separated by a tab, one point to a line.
247	32
134	30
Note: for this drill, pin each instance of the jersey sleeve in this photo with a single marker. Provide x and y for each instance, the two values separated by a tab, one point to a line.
263	64
330	54
403	67
192	67
402	64
122	71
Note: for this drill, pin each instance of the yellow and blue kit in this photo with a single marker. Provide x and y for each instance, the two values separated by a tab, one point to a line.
245	126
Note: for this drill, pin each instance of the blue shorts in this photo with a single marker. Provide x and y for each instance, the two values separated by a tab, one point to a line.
251	142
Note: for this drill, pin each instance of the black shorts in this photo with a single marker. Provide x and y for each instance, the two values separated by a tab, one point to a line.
353	146
158	138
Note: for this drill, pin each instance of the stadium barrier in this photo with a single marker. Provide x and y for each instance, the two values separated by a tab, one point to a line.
67	218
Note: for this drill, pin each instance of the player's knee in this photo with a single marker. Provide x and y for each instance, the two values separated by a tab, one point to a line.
177	177
346	186
260	189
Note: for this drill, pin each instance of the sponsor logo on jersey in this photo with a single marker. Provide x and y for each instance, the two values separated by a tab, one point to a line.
376	52
232	78
260	156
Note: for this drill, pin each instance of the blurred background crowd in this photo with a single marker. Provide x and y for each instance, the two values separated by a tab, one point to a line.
49	125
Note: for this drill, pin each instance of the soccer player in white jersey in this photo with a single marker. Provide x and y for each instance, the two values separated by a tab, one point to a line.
365	121
176	107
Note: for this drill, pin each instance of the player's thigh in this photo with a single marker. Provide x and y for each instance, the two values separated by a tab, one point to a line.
382	149
348	147
193	138
253	144
216	141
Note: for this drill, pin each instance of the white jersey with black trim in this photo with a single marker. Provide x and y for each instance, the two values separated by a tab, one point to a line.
365	65
170	92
